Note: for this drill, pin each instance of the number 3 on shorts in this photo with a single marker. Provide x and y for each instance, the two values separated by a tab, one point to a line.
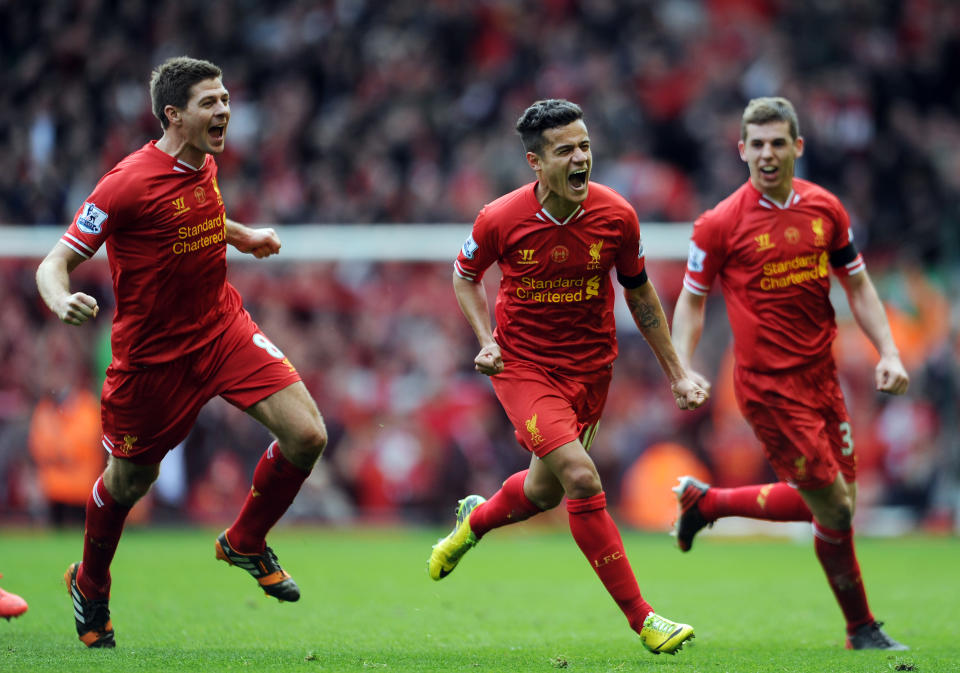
845	433
267	345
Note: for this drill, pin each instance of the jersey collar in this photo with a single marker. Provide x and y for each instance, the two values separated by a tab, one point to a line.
178	165
183	167
543	215
792	199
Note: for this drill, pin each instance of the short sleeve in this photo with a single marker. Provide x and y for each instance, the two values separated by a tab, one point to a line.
630	258
845	259
98	217
479	251
706	255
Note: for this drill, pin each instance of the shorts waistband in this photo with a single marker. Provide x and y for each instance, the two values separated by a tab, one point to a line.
817	362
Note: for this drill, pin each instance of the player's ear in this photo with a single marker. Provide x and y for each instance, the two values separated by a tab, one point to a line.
798	144
533	159
172	113
742	148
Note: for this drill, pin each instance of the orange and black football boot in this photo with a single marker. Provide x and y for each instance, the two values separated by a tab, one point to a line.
274	580
92	616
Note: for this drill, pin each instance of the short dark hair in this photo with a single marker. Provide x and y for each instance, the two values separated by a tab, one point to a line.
770	109
543	115
170	83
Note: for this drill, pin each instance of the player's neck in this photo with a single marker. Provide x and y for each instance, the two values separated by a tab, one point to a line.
558	207
179	148
779	195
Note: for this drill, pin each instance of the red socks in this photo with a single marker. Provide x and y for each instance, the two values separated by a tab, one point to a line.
101	535
834	548
835	551
276	482
598	538
775	502
508	505
593	530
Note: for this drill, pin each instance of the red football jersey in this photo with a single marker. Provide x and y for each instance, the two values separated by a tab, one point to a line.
555	303
773	263
165	228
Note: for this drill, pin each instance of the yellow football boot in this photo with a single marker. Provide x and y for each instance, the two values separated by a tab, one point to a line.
659	634
449	550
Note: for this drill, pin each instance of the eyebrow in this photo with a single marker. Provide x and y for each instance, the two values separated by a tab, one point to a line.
566	145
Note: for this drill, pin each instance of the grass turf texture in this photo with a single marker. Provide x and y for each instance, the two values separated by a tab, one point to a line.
523	600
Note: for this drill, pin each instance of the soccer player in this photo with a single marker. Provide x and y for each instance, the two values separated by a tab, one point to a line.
11	605
550	358
180	337
771	244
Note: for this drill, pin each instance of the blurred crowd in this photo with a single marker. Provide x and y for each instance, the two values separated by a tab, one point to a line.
402	111
357	111
385	351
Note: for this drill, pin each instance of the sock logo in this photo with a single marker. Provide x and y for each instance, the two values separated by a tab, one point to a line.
762	496
615	556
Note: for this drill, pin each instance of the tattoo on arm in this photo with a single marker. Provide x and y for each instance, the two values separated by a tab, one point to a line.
644	314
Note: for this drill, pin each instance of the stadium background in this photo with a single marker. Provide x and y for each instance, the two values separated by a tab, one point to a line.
369	113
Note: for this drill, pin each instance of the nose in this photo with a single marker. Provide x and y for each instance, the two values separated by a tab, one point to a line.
579	156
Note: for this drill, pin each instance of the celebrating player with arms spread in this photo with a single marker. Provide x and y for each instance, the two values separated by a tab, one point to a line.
771	244
180	337
556	241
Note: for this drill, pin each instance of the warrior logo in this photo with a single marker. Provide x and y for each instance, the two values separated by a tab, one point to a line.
180	206
763	242
526	256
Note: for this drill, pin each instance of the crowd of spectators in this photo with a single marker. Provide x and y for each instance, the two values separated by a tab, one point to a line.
364	111
385	351
353	111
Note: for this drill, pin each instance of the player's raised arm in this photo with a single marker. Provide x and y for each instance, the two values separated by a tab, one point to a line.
258	242
53	282
648	313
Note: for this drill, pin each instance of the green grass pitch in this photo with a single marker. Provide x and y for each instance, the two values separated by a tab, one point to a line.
523	600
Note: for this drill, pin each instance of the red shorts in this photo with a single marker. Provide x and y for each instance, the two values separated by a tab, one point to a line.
800	418
146	412
548	410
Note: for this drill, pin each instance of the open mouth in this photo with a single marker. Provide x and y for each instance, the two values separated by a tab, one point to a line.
769	171
578	179
216	132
